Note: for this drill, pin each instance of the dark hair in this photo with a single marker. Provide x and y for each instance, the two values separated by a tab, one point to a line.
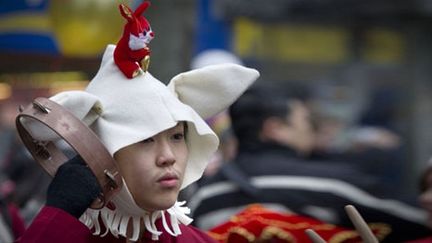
258	103
185	130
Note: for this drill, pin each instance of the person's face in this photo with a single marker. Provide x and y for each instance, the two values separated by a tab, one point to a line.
295	131
154	168
301	127
425	197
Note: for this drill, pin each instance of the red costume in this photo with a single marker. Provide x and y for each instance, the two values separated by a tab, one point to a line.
53	225
258	224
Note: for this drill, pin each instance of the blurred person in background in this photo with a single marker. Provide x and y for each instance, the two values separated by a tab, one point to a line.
12	222
272	167
372	141
27	182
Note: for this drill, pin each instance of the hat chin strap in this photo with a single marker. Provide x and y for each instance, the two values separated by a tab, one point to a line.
126	210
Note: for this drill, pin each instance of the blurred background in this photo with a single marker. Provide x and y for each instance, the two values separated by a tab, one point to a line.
362	65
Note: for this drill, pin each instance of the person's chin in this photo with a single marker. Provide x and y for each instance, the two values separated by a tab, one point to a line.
169	200
159	204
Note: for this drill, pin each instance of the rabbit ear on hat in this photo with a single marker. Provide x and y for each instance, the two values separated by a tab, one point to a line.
211	89
85	106
82	105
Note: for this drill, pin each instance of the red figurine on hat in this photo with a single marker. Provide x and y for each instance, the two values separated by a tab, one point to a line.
132	54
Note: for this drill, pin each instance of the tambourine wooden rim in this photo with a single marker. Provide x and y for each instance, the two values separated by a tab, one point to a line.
79	136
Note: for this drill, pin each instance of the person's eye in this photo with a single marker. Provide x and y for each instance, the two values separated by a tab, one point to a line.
148	140
178	136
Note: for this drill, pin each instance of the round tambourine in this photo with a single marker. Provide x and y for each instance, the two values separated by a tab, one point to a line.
78	136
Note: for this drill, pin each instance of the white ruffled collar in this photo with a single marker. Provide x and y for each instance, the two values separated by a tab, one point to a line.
116	221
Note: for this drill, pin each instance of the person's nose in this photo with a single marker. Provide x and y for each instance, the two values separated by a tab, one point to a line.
166	154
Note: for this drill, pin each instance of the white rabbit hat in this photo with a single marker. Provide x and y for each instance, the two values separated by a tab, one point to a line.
124	111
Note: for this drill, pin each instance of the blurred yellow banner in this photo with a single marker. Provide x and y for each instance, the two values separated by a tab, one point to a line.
84	27
314	44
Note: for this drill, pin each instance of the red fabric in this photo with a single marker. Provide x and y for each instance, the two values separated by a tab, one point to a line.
53	225
424	240
256	224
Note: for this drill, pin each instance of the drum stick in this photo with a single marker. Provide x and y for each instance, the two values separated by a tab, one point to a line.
360	225
314	237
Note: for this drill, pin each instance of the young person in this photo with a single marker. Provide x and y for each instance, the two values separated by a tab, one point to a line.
158	137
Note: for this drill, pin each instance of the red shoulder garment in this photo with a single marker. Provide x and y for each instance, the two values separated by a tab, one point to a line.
53	225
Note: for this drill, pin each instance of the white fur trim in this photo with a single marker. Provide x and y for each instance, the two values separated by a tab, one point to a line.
116	221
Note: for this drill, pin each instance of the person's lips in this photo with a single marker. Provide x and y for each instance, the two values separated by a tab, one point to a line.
168	180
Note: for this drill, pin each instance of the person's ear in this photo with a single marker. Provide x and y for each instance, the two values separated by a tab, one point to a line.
272	128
